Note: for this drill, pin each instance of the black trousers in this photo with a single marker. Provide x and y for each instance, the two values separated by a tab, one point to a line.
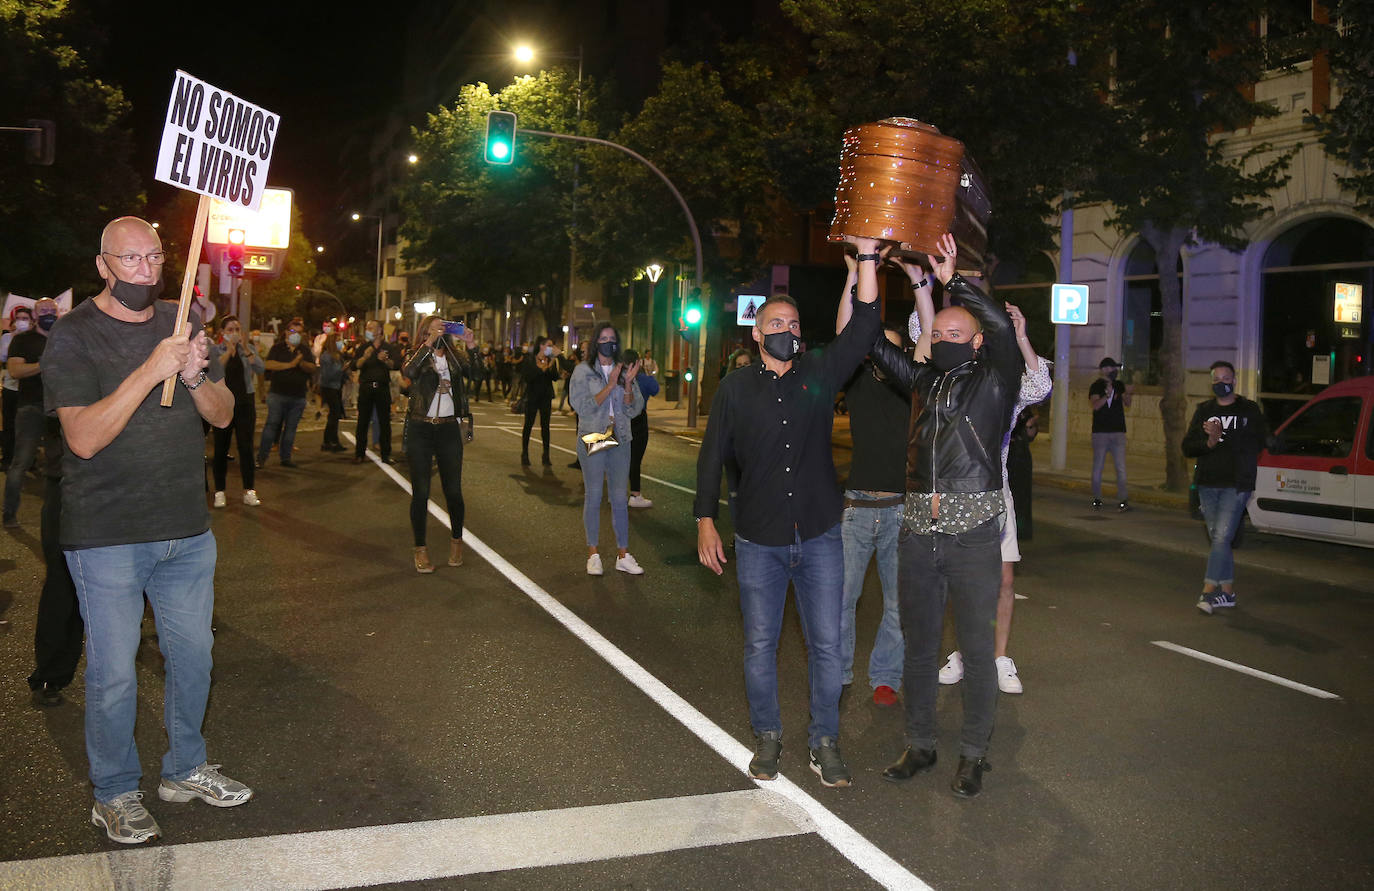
427	444
542	408
58	635
639	433
241	431
374	395
333	400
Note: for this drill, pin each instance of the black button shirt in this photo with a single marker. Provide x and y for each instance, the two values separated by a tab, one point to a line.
776	431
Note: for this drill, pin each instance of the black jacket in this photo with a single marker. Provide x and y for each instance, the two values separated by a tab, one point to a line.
1233	462
956	443
424	380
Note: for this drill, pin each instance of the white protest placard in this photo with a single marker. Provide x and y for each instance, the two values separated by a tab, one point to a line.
215	143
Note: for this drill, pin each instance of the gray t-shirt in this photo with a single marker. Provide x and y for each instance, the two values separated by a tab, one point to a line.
148	484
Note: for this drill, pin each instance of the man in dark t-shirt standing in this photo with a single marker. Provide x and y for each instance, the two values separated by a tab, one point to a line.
24	365
125	538
290	363
375	360
1110	398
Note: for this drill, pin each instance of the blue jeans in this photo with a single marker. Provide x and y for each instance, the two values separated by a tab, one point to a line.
178	578
1116	444
611	466
283	414
870	530
816	568
1223	510
965	568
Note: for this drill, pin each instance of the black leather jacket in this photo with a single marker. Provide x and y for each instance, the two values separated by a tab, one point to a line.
955	445
424	381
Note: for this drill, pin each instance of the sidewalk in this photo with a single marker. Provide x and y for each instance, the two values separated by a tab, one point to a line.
1144	474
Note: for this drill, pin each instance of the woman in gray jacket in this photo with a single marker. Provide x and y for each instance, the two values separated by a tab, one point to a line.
605	396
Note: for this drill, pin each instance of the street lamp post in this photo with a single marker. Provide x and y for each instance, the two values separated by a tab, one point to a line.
367	216
653	271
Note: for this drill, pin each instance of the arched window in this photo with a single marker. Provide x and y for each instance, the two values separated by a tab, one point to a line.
1142	326
1304	346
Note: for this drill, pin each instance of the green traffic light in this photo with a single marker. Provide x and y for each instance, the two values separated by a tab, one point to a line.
688	376
499	150
693	315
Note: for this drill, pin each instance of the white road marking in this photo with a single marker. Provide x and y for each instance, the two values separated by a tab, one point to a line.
843	837
1245	669
1020	596
519	431
432	849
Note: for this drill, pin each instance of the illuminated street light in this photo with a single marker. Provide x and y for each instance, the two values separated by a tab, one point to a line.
413	158
524	54
653	270
319	249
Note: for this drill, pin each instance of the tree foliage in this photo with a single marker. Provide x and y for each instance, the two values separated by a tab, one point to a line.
1180	76
53	215
1348	128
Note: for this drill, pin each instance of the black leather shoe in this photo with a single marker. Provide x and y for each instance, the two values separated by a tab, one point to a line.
912	762
968	779
525	460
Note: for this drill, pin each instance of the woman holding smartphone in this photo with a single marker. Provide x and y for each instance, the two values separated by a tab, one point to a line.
435	431
605	396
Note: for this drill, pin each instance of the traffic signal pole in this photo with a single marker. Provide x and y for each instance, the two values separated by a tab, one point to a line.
699	343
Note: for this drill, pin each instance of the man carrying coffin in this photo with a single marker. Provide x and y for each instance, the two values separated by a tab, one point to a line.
135	521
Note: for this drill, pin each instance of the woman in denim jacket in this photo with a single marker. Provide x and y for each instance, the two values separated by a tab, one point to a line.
604	394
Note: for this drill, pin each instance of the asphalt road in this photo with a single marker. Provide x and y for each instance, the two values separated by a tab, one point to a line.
516	723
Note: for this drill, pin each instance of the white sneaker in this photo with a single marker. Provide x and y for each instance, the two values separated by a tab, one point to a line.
629	564
1007	681
220	500
594	565
953	670
250	498
640	501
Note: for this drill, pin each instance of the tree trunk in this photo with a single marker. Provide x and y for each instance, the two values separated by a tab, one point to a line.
1173	406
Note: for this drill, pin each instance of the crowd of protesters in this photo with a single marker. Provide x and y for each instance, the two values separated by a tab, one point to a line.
929	406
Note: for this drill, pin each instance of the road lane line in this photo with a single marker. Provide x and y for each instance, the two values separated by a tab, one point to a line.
843	837
1245	669
519	431
427	850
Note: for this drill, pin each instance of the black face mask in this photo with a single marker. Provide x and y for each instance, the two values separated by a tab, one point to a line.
136	298
1111	374
608	348
782	345
947	355
46	321
1223	390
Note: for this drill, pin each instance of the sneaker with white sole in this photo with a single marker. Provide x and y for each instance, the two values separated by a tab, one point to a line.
953	671
1218	599
594	565
629	564
220	500
828	765
1007	681
640	501
125	819
250	498
207	784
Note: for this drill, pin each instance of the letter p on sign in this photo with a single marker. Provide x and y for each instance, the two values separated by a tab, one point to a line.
1069	304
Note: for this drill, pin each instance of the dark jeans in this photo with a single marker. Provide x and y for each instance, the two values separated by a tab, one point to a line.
9	404
639	430
29	427
426	444
333	399
815	568
374	395
968	569
58	637
241	431
542	408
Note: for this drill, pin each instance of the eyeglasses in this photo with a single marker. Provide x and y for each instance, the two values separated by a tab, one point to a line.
129	261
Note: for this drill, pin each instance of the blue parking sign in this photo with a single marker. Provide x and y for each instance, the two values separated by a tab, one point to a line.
1069	304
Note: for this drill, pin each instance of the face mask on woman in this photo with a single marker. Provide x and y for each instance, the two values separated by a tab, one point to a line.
548	352
293	338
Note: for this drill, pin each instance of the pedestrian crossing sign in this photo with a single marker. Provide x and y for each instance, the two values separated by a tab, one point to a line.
747	308
1069	304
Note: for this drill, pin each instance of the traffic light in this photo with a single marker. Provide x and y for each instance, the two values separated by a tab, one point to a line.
236	238
500	137
691	309
689	375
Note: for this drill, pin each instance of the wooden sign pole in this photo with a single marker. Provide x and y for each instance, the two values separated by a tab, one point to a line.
188	284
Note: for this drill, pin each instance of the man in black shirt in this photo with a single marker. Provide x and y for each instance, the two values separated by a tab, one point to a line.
1225	436
290	363
772	423
26	349
374	365
1110	398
